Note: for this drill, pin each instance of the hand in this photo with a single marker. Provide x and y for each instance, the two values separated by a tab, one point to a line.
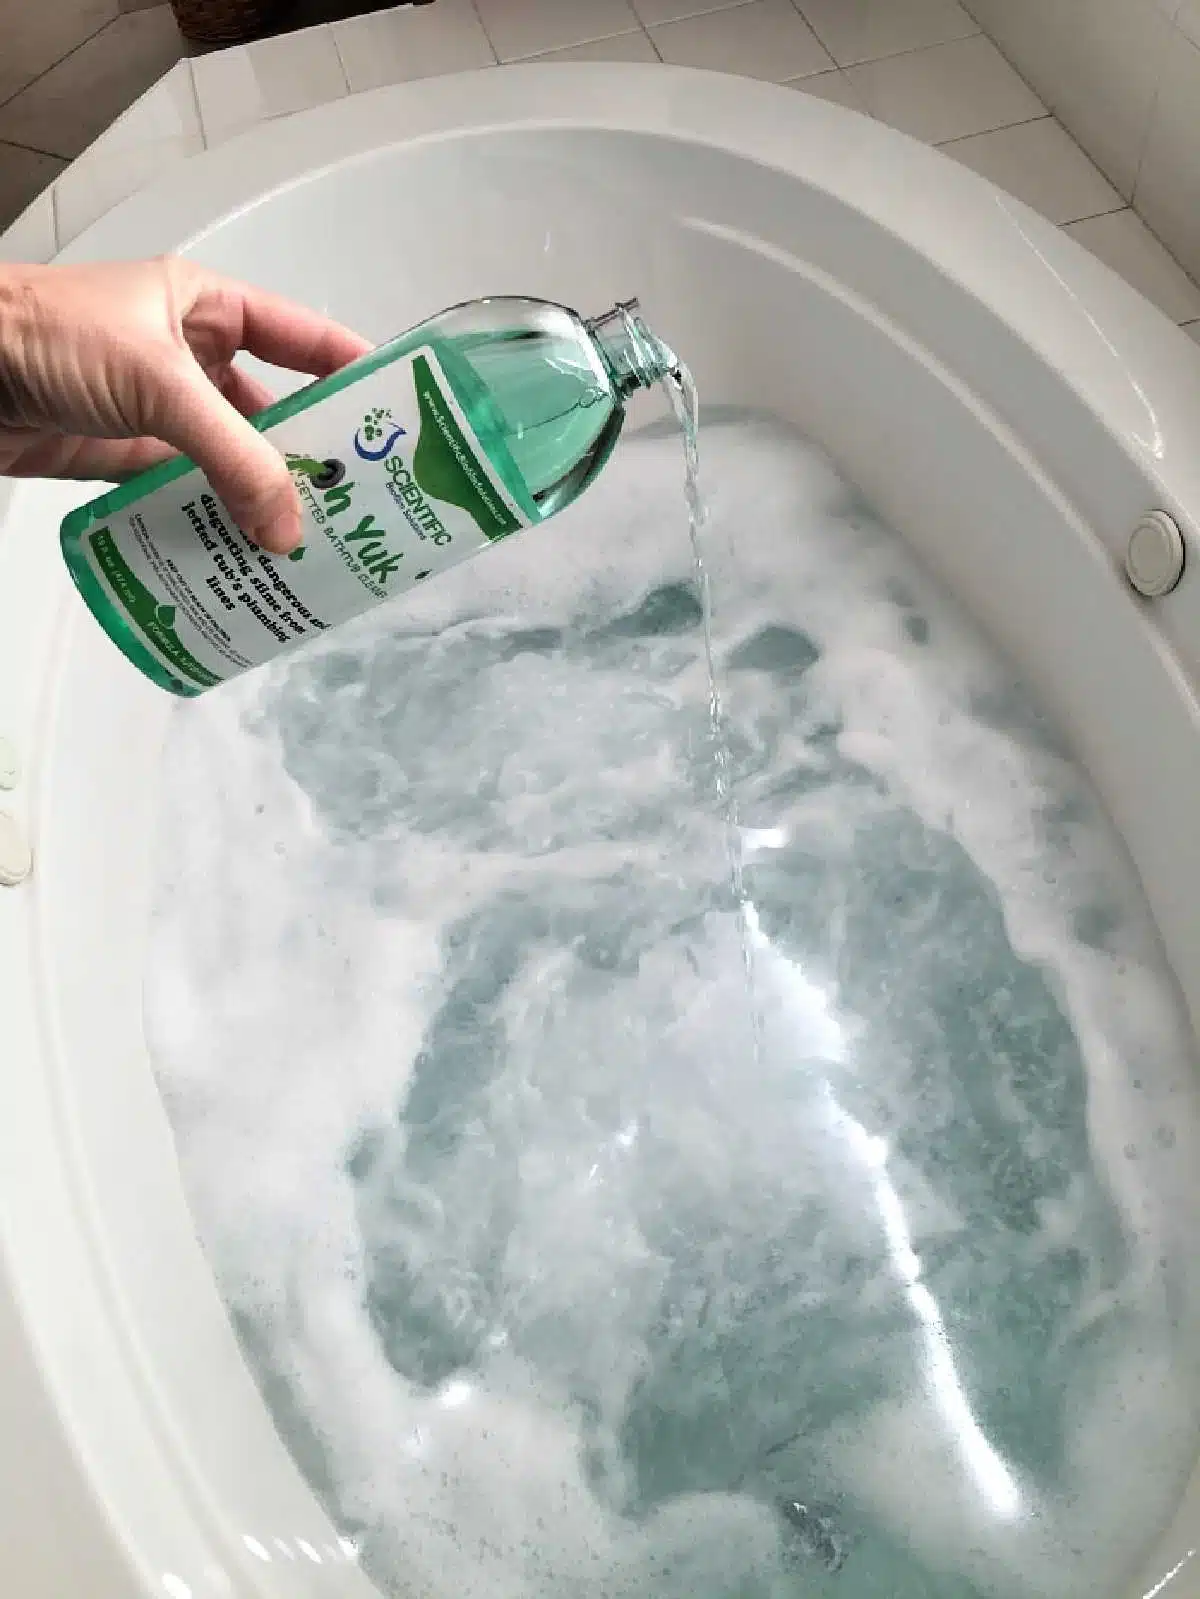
106	370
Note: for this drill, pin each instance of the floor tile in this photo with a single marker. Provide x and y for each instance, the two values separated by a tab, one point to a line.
34	34
33	236
158	132
834	86
621	47
412	42
1124	242
23	176
864	30
1041	164
946	92
519	28
73	103
652	11
764	39
271	78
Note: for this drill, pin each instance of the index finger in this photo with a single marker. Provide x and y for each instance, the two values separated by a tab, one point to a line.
285	334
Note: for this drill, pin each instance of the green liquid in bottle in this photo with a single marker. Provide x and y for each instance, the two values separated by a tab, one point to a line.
518	406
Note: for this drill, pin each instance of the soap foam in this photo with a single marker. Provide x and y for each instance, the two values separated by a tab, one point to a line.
561	1275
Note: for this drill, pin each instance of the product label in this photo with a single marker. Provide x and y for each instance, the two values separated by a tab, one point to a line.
394	484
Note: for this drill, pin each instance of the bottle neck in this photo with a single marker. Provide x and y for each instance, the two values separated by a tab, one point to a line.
634	358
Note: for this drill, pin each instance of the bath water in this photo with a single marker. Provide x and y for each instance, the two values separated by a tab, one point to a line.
554	1284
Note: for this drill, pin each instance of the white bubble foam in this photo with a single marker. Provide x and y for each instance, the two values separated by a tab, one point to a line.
558	1286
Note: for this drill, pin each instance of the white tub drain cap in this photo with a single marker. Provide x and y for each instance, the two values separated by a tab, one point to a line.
1154	557
16	858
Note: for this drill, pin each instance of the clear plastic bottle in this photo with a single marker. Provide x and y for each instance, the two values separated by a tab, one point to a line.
488	418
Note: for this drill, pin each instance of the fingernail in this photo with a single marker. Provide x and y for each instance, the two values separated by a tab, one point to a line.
281	536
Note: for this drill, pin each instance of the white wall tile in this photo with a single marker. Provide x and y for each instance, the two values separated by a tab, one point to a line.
1168	190
157	132
33	237
765	39
78	98
519	28
1187	20
621	47
167	111
1041	164
412	42
24	174
1108	88
864	30
947	92
651	11
1124	242
271	78
1034	35
833	86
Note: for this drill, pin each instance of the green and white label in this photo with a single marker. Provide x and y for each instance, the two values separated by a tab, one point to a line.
410	492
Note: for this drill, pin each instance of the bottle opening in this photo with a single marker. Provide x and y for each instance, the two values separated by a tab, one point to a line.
635	357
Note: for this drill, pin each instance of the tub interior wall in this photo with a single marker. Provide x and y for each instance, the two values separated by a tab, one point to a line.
1001	480
1003	483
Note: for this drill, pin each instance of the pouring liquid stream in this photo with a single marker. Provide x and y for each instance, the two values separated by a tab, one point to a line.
680	388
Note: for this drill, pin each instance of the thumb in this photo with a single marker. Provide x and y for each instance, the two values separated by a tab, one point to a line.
246	471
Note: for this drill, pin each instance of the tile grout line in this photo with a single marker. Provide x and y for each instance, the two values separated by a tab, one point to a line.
341	60
191	78
486	34
1001	127
479	18
35	149
889	55
1094	216
837	66
1195	282
689	16
582	44
1150	116
55	225
327	28
37	78
961	138
1131	203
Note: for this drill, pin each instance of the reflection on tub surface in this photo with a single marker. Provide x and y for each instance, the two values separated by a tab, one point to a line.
555	1284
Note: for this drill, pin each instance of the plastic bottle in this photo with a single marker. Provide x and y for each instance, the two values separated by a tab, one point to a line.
488	418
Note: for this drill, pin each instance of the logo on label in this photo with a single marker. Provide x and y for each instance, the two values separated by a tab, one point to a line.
377	436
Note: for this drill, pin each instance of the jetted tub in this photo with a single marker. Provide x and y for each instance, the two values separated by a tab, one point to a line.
997	395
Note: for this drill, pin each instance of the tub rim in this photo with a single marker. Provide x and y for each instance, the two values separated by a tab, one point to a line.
960	222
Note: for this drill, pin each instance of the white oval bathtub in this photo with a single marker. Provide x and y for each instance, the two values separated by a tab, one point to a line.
996	393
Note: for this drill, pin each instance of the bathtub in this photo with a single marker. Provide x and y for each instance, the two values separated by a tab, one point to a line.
998	394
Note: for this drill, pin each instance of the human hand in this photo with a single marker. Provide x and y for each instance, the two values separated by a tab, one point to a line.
108	369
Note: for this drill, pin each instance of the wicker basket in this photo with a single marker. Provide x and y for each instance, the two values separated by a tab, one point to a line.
224	21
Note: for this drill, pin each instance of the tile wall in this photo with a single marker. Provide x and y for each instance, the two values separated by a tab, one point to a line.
1123	76
68	68
924	66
